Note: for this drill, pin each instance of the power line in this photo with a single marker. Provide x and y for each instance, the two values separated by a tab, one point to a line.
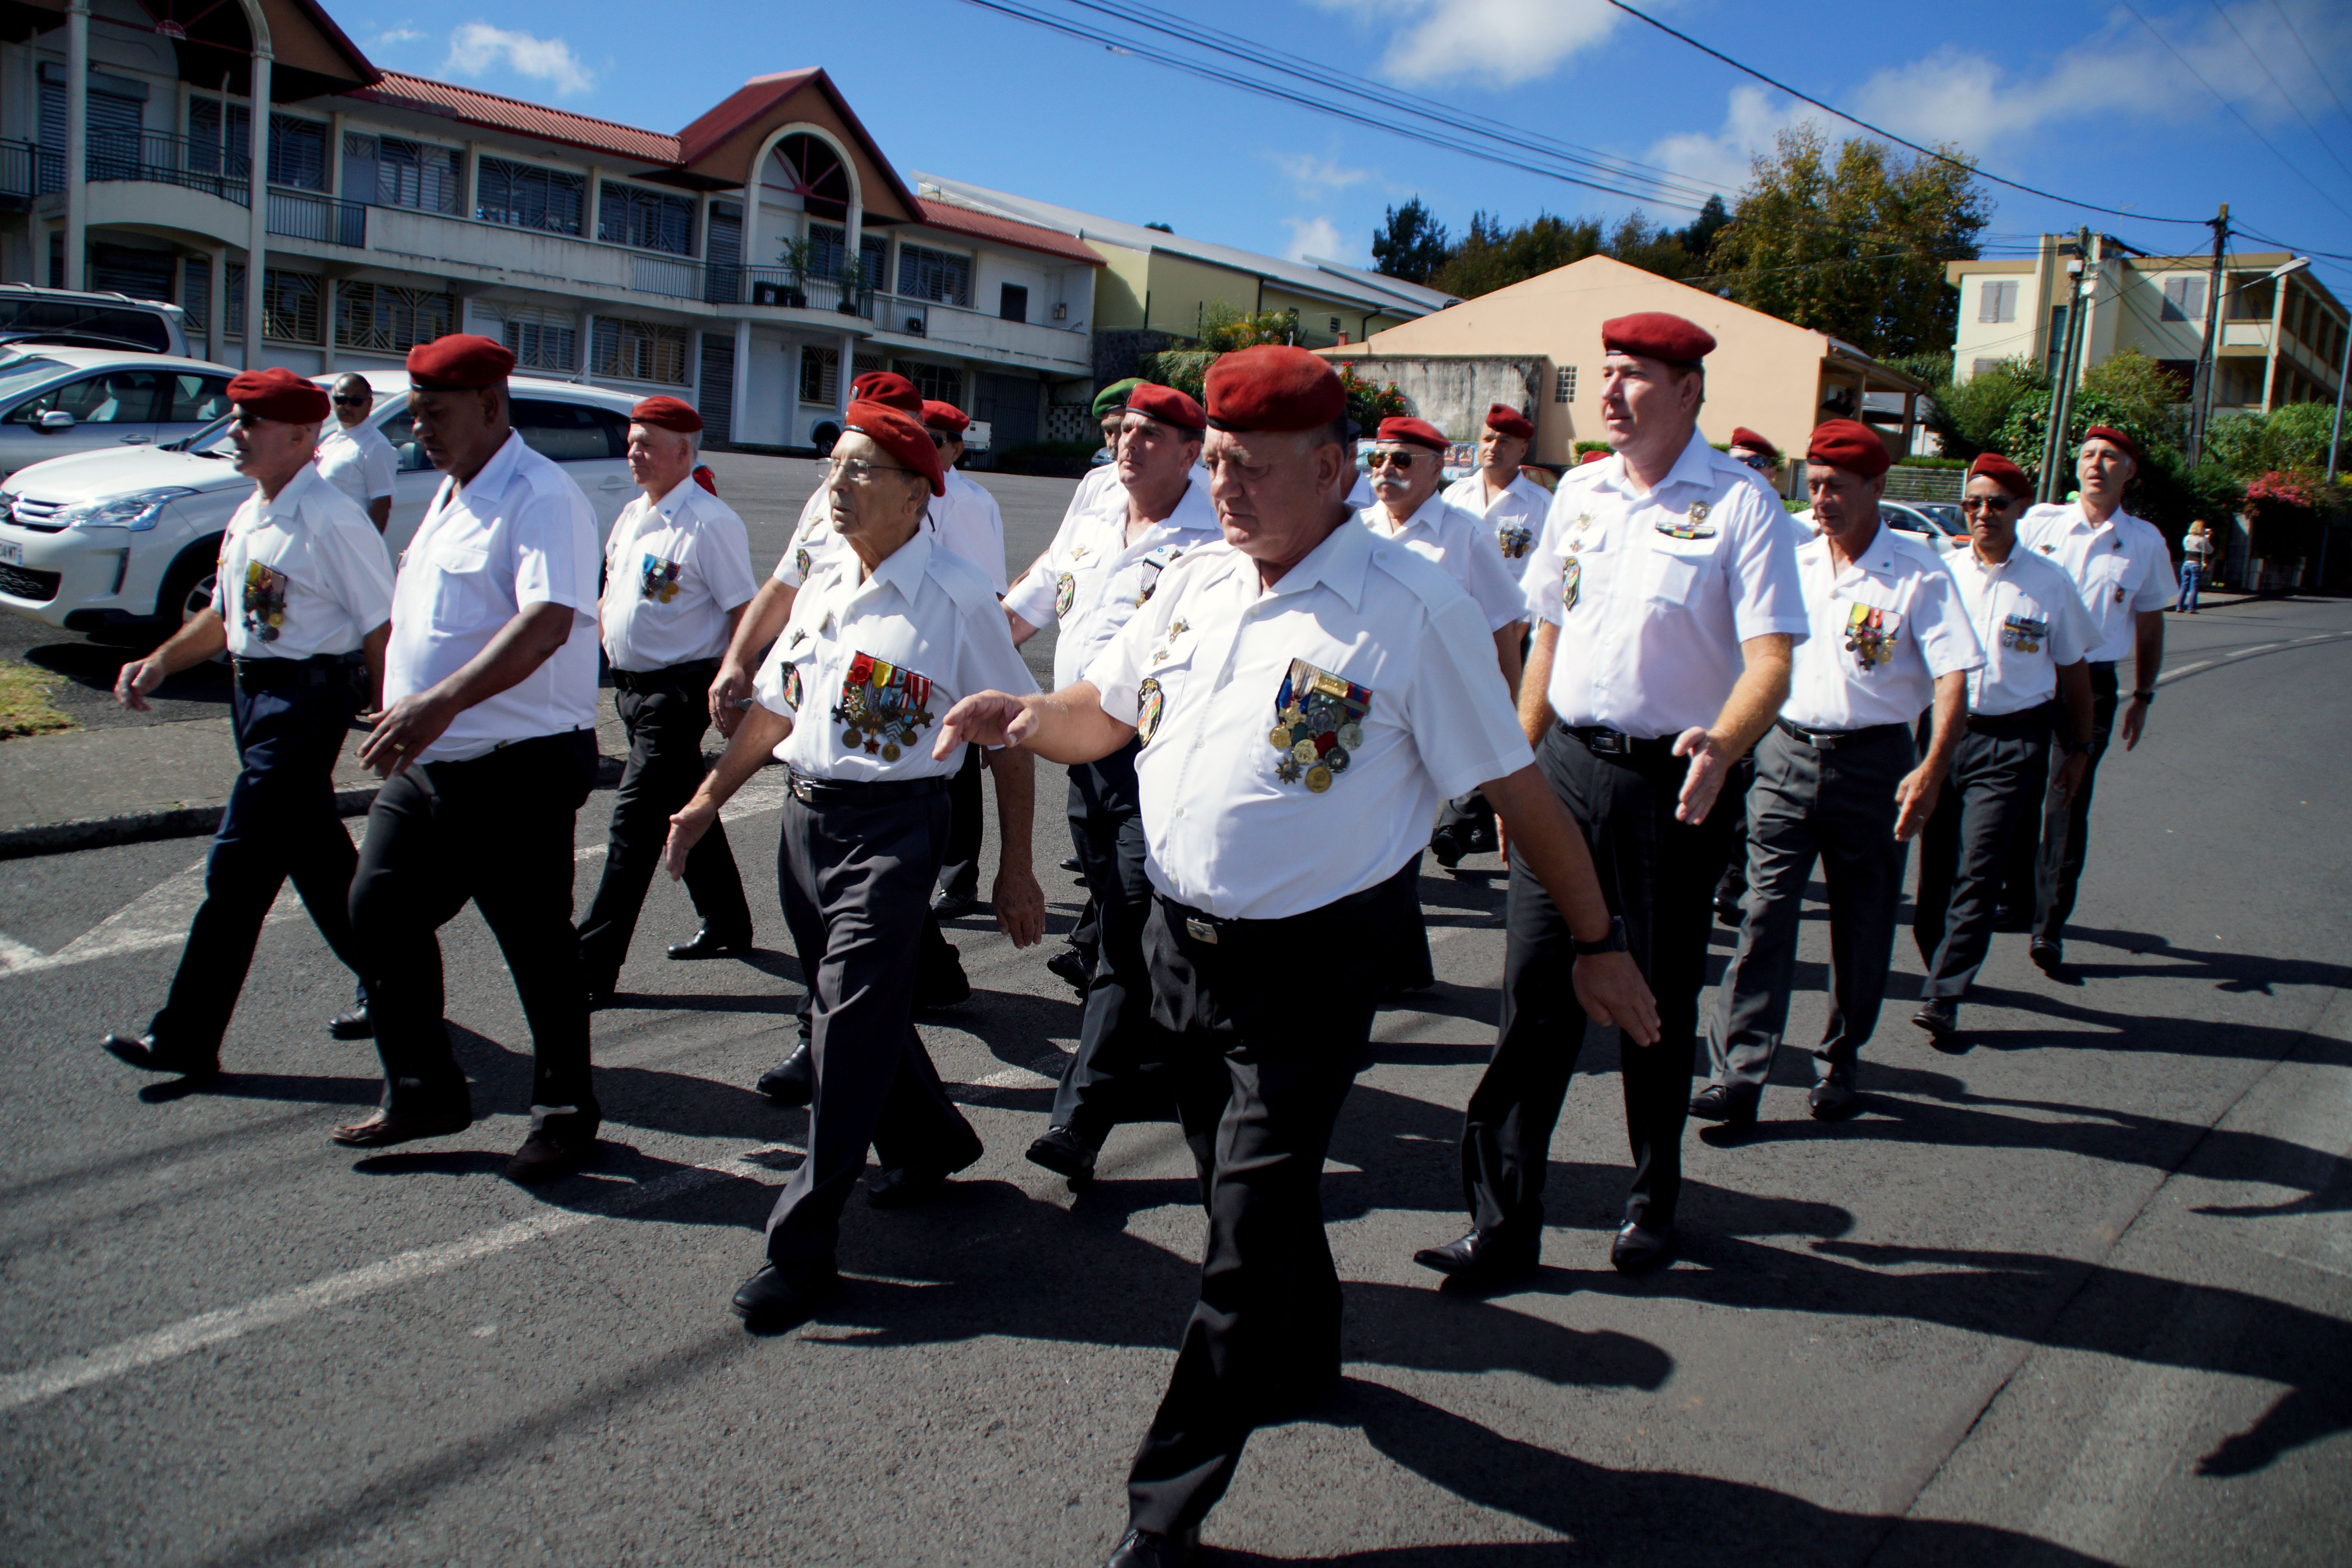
1889	135
2322	75
2274	82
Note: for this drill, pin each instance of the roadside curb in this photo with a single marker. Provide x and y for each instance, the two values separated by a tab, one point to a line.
181	822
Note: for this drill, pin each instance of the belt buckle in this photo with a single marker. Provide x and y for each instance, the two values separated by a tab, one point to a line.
1200	931
1608	743
801	789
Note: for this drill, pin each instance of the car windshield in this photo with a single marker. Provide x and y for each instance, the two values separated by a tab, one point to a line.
25	371
212	441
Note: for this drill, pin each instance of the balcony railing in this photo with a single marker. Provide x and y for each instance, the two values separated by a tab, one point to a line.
17	160
160	158
299	214
780	286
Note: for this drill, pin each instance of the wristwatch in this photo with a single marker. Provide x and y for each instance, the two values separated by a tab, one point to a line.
1613	942
2143	698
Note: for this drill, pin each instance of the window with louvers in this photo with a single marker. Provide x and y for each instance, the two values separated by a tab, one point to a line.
2184	300
522	196
1997	302
381	317
820	376
393	172
639	351
648	220
220	138
539	338
937	383
289	305
928	274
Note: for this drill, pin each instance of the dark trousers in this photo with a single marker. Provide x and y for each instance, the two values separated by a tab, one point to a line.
856	880
1659	874
960	872
280	821
1262	1071
1991	802
2045	866
1119	1072
1733	884
666	719
495	830
1834	804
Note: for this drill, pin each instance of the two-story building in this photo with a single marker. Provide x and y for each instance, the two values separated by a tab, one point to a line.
752	262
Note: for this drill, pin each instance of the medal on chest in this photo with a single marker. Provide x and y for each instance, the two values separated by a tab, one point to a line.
883	706
1176	628
659	579
265	600
1871	636
1066	594
1318	724
2023	634
1514	537
1692	524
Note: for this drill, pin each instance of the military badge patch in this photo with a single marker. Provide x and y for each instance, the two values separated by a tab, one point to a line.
1150	566
265	600
2023	634
659	579
1318	724
1066	594
1572	582
1150	703
1871	636
1693	525
1514	537
792	686
883	707
801	560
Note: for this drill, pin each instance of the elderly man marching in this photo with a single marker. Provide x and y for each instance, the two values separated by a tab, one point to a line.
1667	587
678	574
486	745
967	521
1304	695
2034	687
1839	779
888	630
301	604
2123	569
353	456
1100	572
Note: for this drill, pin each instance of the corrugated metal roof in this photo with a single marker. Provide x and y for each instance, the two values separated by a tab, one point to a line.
400	90
1005	231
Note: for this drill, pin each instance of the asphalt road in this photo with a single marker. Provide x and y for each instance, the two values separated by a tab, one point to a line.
2079	1295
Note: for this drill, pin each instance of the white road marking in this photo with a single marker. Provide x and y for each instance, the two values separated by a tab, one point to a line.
2247	653
1030	1077
208	1328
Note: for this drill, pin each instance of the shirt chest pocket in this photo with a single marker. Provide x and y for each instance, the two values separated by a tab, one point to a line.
463	595
1674	569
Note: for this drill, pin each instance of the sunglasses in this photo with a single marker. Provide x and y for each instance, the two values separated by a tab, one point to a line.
1987	503
352	402
1401	461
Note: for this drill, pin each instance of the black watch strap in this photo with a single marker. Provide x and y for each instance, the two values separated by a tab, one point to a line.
2144	696
1613	942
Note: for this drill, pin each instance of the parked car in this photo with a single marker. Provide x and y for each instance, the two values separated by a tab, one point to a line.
55	400
119	535
150	324
1917	521
1947	513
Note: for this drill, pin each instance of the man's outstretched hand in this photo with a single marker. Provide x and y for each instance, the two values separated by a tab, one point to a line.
984	719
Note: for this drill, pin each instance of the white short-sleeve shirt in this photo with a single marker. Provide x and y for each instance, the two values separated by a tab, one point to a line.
865	670
2031	622
1371	666
519	534
1654	594
1092	580
673	569
1456	542
813	535
2121	567
968	523
1884	630
358	461
301	573
1514	515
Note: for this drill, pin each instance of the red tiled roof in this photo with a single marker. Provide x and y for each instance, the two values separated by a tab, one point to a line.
1005	231
738	109
398	89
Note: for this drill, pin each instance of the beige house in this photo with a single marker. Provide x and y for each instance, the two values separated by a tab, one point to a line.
1544	334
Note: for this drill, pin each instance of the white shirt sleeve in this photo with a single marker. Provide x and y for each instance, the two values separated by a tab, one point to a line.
552	548
2160	589
1939	621
376	465
2073	632
1116	670
724	557
1539	584
1456	704
1767	595
1489	583
359	569
986	659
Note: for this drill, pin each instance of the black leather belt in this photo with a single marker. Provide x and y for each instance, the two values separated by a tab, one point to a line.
811	791
1203	926
2034	721
1831	740
285	674
696	675
1603	741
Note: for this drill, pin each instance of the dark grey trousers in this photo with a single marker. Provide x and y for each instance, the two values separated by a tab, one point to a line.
855	880
1992	800
1120	1071
1836	806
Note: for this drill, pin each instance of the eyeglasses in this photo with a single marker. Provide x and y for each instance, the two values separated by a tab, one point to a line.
858	471
1762	465
359	401
1987	503
1401	461
938	440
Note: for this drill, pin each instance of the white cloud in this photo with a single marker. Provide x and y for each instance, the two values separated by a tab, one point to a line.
390	37
1495	43
1314	236
1315	176
1721	161
478	48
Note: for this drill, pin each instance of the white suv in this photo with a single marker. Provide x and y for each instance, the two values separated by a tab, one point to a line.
56	400
132	534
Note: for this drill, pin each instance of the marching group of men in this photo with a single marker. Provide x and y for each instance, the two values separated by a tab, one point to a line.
1270	702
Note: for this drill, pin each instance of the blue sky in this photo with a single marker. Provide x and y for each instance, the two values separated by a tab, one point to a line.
2084	100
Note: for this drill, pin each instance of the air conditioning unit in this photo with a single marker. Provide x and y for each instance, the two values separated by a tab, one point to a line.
914	326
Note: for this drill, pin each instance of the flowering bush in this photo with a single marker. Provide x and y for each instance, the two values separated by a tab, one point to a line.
2279	489
1368	404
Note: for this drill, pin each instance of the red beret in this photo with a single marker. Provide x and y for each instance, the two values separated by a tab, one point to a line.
1505	420
1592	457
276	394
1398	427
458	362
1656	334
888	388
894	431
1849	445
667	414
2109	432
945	416
2004	473
1272	387
1167	406
1744	437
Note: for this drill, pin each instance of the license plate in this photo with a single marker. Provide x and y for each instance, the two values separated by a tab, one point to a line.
12	552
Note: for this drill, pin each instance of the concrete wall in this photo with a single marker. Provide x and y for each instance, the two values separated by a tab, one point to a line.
1455	393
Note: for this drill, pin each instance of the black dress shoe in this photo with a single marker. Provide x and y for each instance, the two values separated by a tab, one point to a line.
146	1051
904	1186
708	943
948	905
1070	965
791	1081
1718	1103
1447	850
552	1151
1834	1102
352	1024
1638	1249
1149	1549
1940	1017
1060	1151
778	1298
1728	911
1069	863
947	988
2049	955
384	1130
2012	921
1484	1258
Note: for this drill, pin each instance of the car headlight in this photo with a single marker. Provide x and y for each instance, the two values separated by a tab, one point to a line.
137	511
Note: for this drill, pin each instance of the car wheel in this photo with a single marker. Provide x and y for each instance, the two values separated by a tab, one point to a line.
198	599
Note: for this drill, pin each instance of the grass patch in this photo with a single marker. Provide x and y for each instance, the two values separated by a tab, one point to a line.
24	705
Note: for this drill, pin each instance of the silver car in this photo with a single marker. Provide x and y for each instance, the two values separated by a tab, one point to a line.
55	401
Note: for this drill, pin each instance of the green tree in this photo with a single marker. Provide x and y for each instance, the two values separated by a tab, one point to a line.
1491	257
2144	393
1852	244
1699	238
1411	244
1967	418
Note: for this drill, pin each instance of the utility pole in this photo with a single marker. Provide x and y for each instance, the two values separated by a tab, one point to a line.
2080	281
2200	396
